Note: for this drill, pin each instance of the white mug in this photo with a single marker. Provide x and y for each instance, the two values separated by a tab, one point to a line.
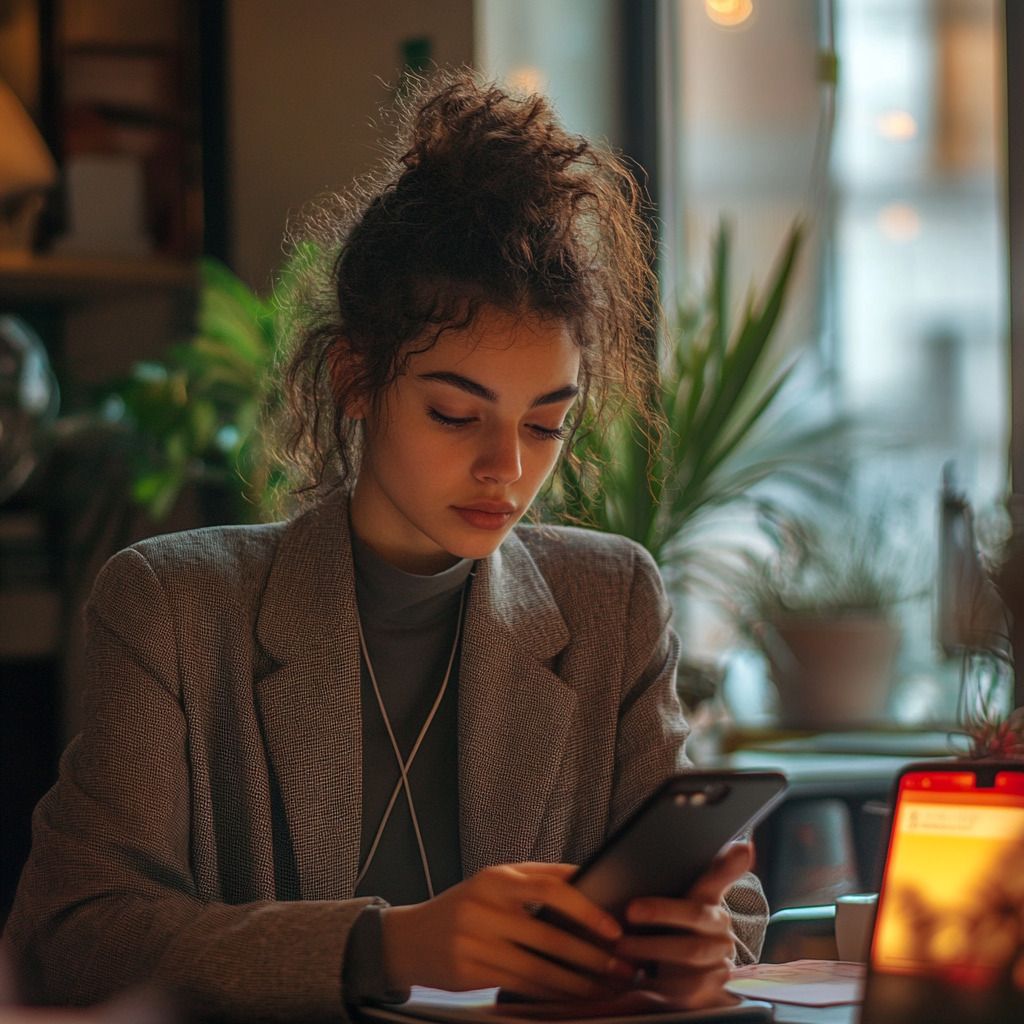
855	924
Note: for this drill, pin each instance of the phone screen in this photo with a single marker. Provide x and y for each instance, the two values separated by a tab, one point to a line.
949	937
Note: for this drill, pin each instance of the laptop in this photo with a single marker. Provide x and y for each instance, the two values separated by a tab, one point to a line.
948	943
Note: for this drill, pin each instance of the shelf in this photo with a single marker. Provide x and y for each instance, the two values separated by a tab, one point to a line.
76	278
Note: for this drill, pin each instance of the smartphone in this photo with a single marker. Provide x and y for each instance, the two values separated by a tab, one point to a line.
948	943
665	847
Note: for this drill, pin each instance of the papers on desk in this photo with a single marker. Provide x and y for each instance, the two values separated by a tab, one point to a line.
478	997
802	982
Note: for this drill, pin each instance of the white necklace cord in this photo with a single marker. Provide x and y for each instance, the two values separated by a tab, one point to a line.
404	766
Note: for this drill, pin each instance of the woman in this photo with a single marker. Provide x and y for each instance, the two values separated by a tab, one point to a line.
401	696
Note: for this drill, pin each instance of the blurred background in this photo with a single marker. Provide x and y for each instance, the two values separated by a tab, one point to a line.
139	136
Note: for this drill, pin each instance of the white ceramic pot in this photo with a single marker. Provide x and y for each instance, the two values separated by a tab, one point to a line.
832	672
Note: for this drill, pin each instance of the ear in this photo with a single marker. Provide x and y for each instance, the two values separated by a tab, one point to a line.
343	367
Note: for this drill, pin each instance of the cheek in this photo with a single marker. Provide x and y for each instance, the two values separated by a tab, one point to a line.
545	456
416	459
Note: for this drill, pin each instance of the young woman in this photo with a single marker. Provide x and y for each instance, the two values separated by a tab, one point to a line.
330	758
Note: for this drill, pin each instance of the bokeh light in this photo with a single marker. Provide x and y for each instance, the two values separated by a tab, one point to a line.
897	125
729	12
899	222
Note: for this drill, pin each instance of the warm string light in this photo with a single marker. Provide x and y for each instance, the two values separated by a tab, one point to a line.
897	125
529	79
729	12
899	222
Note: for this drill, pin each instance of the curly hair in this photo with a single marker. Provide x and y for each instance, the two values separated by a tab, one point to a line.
483	199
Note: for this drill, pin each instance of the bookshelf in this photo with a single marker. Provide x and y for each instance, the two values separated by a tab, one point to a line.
33	277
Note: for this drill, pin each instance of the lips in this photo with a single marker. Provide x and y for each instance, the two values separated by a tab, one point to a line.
486	515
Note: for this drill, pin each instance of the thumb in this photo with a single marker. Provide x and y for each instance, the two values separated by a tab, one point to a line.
728	866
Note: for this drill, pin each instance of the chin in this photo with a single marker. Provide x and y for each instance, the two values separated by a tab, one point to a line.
475	545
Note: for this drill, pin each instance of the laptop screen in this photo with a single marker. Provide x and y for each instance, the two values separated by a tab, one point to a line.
949	936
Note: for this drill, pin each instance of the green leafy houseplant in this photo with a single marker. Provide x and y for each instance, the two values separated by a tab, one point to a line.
195	414
852	567
821	608
711	447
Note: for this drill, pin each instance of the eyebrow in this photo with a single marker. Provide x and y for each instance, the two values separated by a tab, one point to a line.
478	390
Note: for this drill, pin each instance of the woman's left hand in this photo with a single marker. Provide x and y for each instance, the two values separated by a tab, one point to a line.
693	964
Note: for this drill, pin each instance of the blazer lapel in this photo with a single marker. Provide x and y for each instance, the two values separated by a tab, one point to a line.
310	706
514	712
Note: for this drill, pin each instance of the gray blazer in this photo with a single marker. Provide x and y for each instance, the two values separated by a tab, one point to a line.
219	769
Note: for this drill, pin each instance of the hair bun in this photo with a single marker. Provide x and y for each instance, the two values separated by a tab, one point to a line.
485	198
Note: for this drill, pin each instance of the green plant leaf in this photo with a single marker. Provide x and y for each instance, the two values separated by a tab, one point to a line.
711	450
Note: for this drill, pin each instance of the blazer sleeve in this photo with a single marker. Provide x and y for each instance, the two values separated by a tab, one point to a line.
652	734
108	899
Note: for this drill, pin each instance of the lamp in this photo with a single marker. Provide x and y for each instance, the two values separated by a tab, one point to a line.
26	170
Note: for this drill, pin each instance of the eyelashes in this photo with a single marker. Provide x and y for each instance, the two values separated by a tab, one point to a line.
448	421
457	422
554	433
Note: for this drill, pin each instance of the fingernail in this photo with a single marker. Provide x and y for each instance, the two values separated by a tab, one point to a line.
620	969
635	912
610	928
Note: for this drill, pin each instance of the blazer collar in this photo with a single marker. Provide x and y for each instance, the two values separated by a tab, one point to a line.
310	706
514	712
310	593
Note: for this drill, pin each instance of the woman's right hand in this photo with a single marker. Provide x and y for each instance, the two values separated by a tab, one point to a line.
479	934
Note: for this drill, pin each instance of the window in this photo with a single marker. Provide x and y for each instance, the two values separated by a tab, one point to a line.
896	164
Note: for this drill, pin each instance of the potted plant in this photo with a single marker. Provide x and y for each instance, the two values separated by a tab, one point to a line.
821	606
711	447
719	437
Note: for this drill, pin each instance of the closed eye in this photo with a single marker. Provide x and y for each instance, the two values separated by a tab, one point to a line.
546	433
449	421
551	433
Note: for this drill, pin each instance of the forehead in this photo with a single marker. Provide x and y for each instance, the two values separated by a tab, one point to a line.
496	341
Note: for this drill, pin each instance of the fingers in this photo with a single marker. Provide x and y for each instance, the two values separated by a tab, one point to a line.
540	937
542	887
700	918
552	941
710	889
521	971
727	868
693	951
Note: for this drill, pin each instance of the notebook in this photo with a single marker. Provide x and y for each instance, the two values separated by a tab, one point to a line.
481	1008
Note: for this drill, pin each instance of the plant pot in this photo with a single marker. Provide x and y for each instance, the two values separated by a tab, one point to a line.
832	672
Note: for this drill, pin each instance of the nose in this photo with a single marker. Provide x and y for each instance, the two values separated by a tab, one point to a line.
498	461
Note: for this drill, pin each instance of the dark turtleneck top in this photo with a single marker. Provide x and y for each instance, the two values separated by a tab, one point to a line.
409	623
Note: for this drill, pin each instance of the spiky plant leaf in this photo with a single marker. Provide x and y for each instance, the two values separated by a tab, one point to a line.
712	449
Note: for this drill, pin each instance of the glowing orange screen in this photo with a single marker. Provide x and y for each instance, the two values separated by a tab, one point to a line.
956	863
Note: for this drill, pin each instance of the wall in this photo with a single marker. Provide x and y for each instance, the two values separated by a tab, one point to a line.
306	80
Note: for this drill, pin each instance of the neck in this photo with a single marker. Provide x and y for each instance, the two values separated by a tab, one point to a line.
374	526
